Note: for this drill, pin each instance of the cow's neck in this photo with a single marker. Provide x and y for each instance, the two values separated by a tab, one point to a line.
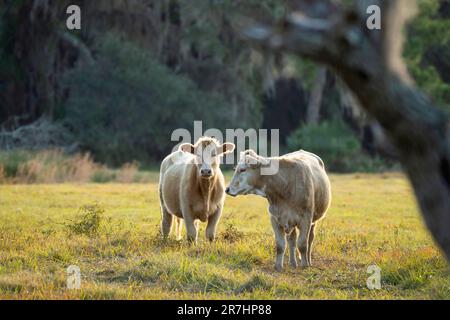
275	188
206	187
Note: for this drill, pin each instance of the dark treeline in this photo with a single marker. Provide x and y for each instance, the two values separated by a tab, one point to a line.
137	70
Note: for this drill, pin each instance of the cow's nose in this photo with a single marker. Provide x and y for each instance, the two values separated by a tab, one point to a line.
227	190
205	172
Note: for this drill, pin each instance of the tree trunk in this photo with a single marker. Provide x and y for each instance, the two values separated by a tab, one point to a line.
315	101
377	141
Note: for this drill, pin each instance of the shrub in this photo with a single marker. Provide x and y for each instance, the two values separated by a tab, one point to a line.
127	172
11	160
42	134
231	234
2	174
49	166
88	221
103	175
336	144
55	166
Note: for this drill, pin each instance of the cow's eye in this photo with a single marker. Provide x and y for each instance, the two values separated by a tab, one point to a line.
242	170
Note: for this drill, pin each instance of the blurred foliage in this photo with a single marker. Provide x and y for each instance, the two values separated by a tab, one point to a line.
336	144
127	104
10	161
427	50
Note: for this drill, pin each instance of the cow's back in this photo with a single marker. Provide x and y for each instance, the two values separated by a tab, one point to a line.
306	156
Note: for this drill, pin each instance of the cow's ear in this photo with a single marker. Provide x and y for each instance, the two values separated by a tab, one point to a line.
227	147
187	147
256	161
252	162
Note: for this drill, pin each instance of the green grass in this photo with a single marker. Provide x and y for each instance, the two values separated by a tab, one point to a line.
373	219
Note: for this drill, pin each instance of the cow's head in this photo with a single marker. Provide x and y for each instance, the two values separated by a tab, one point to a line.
207	152
247	176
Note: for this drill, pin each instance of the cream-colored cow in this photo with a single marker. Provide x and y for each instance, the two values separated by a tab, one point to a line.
191	187
299	195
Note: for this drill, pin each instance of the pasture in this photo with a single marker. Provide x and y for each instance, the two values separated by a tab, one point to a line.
372	219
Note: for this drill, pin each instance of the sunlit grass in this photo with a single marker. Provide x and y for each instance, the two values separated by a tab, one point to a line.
373	219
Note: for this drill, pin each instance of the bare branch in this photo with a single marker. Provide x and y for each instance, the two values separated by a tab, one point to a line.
396	15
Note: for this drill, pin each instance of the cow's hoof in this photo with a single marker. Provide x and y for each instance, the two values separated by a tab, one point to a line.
278	268
293	265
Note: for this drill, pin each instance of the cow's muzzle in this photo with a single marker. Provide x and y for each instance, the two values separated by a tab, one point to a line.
206	173
228	192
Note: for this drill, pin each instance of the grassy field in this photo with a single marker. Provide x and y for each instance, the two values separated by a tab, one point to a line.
373	219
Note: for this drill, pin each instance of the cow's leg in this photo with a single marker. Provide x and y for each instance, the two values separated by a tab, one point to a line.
191	228
179	227
280	239
213	220
310	242
167	221
305	227
167	218
293	251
